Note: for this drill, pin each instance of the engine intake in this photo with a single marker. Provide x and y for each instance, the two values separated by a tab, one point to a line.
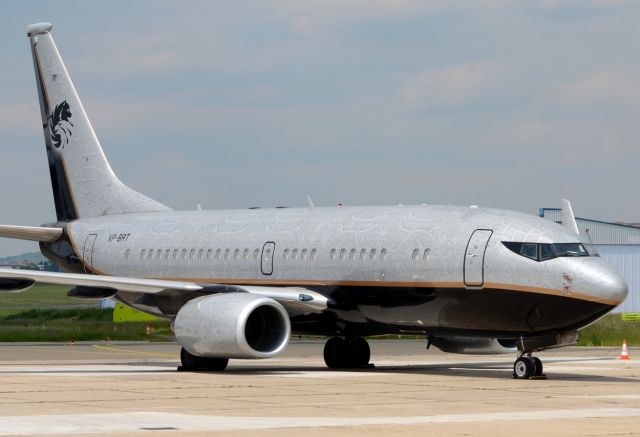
233	325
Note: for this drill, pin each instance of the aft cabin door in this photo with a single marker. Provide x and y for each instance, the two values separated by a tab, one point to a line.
267	258
87	253
474	257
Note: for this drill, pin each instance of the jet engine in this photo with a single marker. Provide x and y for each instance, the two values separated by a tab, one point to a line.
233	325
474	345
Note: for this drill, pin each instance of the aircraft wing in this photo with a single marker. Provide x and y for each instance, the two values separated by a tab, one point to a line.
98	286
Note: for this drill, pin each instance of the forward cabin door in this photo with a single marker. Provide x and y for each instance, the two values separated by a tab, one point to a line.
474	257
266	264
87	253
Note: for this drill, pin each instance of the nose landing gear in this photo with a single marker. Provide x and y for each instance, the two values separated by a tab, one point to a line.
352	353
528	367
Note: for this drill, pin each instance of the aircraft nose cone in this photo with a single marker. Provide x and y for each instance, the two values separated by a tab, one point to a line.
612	286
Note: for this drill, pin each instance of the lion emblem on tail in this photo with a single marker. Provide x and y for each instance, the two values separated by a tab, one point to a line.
60	126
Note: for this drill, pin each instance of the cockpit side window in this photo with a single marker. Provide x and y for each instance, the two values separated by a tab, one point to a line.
570	249
530	250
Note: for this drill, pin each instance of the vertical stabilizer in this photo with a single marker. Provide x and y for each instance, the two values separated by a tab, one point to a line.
82	180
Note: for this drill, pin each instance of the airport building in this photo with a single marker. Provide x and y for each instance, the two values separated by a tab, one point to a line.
619	244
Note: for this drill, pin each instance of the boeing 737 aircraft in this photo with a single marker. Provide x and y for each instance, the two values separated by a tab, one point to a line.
238	283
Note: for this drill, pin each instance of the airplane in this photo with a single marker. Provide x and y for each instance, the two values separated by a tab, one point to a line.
238	283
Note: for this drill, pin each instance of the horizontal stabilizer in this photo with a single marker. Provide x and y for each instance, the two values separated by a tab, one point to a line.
33	233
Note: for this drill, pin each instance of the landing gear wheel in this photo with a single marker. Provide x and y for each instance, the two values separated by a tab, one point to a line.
538	366
192	362
335	353
216	364
523	368
359	352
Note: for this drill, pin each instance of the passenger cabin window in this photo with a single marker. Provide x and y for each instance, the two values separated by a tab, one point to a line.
166	253
200	253
383	254
209	252
294	254
332	254
414	255
218	252
126	253
343	252
363	254
227	252
372	254
313	254
236	253
245	254
425	255
143	253
285	254
175	253
256	253
303	254
184	254
158	253
352	254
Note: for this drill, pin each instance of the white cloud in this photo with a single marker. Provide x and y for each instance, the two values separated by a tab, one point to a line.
615	86
454	86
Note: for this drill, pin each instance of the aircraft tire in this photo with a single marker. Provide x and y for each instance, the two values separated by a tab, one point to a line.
359	352
523	368
537	363
216	364
335	353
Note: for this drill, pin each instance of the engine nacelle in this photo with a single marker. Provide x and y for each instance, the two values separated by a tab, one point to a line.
15	285
233	325
474	345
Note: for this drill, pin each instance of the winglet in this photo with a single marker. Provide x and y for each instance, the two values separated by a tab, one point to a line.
568	219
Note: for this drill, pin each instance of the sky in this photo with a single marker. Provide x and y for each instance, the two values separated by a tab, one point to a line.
507	104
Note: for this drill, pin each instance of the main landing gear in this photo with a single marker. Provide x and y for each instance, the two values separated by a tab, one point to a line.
192	362
527	367
352	353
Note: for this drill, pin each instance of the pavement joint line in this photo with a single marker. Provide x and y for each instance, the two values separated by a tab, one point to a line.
157	354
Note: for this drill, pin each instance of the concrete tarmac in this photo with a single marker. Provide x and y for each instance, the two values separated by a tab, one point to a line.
133	388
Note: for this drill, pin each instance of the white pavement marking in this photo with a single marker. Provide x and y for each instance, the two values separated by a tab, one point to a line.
85	370
74	424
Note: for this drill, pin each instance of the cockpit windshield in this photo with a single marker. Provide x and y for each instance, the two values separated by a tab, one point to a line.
546	251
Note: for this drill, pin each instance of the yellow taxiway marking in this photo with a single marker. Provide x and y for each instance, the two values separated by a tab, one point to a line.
157	354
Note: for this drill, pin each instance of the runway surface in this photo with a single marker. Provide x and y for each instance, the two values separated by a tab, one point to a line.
126	388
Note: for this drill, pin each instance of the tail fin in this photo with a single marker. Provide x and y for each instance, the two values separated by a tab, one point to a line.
82	180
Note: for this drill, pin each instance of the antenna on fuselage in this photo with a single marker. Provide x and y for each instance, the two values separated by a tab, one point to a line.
568	219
